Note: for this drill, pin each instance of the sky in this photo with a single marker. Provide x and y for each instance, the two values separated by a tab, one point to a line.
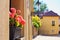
53	5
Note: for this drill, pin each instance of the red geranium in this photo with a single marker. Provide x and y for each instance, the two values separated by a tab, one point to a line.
16	18
23	22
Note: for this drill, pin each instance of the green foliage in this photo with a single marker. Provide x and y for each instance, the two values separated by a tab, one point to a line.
36	21
43	7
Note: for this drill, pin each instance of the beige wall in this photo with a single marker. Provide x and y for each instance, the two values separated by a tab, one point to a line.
4	20
47	25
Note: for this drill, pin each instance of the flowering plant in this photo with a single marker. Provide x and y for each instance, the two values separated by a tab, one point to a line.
15	19
36	21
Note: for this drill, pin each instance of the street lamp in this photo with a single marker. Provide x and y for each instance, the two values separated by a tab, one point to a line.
38	4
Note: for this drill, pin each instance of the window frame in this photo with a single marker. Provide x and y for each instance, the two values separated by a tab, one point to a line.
53	23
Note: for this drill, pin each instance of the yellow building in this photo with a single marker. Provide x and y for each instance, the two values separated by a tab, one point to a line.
50	24
59	24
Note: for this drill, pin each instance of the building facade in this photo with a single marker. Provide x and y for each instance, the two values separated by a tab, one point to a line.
50	24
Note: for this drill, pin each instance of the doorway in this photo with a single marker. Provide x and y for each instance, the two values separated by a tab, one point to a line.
16	32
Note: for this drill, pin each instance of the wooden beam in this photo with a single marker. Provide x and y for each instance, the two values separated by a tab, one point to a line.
4	19
26	19
29	27
27	16
31	5
29	19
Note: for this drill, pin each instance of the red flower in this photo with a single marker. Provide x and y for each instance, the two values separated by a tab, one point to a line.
11	15
23	22
18	18
13	10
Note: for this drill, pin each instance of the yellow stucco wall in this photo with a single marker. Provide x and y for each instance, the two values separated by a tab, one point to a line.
47	25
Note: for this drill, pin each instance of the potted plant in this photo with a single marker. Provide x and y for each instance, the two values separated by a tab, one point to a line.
36	23
16	23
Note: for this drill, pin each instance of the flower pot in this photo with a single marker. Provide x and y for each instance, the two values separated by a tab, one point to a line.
34	32
22	32
14	32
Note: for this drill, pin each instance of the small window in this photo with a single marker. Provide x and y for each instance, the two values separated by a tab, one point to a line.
52	30
53	23
59	25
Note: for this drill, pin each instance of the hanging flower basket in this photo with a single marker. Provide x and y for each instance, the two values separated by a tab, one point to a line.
16	23
36	22
34	32
15	32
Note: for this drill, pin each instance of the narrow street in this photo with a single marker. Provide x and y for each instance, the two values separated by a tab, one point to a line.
40	37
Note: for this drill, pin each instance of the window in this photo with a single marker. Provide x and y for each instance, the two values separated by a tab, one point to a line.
52	30
59	25
53	23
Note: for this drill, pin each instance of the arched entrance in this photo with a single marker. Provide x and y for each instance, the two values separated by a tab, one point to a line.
4	19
